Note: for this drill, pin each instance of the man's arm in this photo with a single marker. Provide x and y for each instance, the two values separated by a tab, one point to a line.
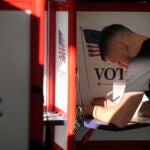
121	113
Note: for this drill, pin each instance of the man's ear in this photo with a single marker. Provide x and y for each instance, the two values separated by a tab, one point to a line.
122	48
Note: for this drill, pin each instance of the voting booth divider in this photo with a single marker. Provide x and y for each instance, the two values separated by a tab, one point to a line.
37	37
21	65
60	73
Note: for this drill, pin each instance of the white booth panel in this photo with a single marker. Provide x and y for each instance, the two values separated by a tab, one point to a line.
14	79
61	87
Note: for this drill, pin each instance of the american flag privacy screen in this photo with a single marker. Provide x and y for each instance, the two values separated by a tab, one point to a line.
92	39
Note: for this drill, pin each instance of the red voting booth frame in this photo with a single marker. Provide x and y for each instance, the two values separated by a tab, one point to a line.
70	7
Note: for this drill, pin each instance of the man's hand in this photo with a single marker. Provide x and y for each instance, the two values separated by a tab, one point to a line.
144	110
102	101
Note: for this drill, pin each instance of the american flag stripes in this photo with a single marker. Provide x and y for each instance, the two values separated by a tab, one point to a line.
62	48
92	38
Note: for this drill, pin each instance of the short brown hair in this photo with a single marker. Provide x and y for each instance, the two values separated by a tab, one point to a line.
107	34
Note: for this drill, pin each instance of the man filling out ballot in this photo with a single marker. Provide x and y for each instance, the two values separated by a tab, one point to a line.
131	51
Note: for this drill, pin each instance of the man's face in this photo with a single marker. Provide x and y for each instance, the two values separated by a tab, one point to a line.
118	58
118	54
117	61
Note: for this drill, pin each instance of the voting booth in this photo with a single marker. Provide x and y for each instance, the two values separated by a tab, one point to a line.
97	78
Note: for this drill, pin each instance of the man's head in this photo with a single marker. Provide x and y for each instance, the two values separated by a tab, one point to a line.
113	44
